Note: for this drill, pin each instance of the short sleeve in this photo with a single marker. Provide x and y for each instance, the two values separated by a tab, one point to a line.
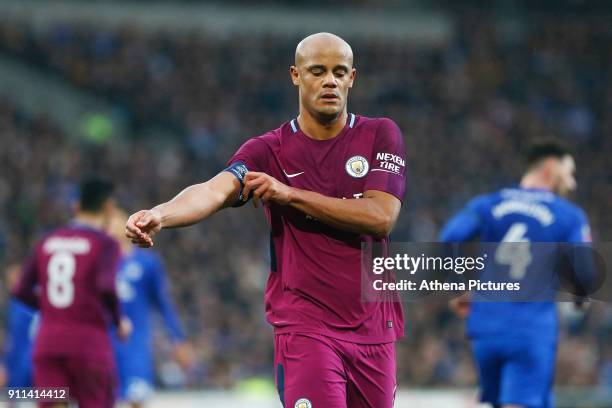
388	168
254	154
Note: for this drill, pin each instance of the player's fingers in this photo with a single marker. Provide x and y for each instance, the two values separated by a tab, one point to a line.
252	175
144	234
246	189
253	180
261	190
139	241
130	225
141	237
130	234
257	193
144	220
250	186
249	179
145	244
267	196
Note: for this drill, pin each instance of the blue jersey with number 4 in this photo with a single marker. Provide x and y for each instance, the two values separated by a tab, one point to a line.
517	215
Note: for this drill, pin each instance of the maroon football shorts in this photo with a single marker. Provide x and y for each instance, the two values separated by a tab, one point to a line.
92	382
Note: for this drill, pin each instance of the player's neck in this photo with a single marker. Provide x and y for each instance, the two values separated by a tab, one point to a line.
533	181
317	130
91	220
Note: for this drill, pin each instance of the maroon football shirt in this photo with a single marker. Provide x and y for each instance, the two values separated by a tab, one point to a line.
315	280
71	279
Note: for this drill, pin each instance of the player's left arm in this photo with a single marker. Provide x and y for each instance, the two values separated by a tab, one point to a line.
182	350
375	213
581	256
160	293
26	288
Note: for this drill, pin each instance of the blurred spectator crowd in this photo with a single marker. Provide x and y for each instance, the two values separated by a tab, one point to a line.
467	107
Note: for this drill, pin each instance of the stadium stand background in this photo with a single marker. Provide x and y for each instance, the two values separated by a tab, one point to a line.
177	102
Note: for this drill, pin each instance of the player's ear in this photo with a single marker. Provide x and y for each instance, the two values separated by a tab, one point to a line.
550	168
353	74
295	75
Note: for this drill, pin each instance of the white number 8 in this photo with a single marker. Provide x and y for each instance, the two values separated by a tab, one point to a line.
60	270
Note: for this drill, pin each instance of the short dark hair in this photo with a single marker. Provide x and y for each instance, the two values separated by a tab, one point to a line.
543	149
94	193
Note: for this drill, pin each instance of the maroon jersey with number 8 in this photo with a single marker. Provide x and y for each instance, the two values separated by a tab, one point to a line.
71	279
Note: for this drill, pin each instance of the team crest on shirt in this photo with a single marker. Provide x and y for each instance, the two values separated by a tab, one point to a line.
303	403
357	166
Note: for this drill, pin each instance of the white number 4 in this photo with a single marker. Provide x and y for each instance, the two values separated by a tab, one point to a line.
60	271
515	251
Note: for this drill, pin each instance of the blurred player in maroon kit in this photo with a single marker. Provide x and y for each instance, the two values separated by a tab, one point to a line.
71	279
330	181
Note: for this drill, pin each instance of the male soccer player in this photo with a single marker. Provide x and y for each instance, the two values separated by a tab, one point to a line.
21	328
142	288
514	344
71	279
329	181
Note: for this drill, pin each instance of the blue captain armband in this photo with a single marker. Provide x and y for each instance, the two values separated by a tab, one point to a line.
239	170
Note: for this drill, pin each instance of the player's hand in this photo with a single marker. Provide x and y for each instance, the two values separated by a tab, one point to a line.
265	187
461	305
184	356
142	226
125	328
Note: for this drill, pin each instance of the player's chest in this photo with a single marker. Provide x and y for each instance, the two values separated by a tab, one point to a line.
333	169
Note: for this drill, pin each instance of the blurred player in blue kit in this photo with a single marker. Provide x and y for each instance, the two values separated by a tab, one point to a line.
142	288
22	323
514	343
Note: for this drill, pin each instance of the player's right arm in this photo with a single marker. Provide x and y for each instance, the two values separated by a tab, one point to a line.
190	206
464	226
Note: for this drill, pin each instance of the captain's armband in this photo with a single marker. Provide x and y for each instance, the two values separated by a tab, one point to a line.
239	170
